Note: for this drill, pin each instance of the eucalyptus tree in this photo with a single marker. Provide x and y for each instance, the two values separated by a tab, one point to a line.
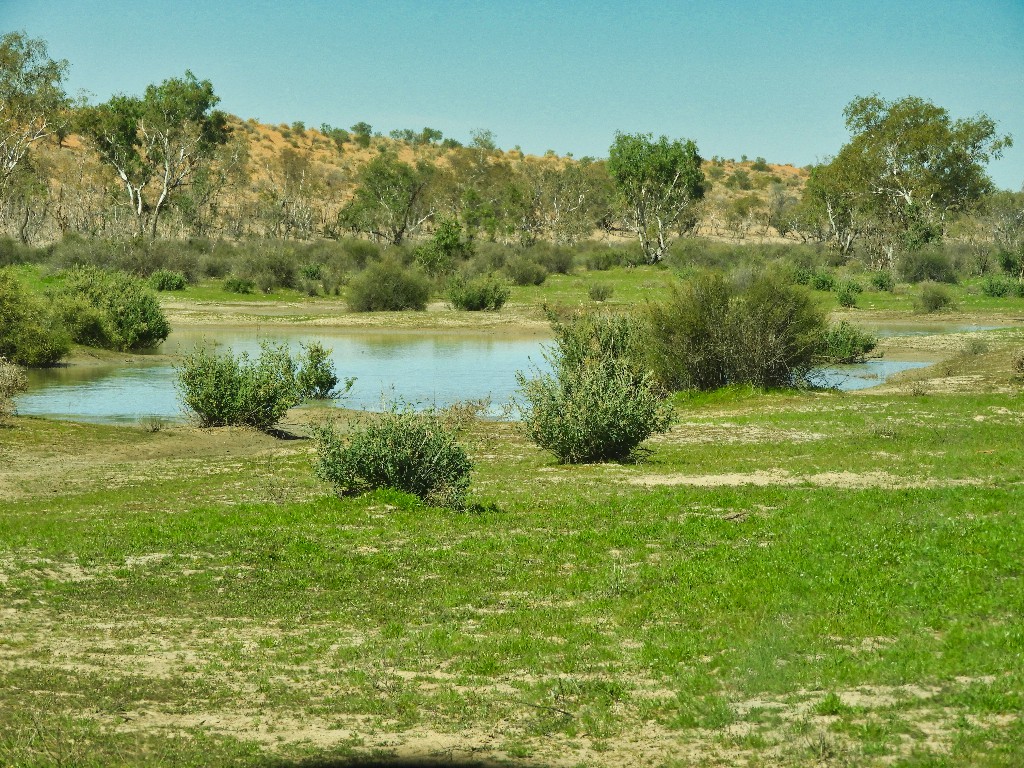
32	100
659	183
157	144
391	200
908	167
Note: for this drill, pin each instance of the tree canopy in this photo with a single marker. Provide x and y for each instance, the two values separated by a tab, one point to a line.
659	183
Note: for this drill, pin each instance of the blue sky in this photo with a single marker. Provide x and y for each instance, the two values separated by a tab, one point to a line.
740	77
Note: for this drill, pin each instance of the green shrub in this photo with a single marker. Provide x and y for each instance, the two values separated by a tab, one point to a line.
12	382
113	310
933	298
522	270
225	390
388	287
600	291
239	285
597	404
823	280
400	449
316	378
927	264
883	280
710	334
1017	363
30	333
555	259
847	293
482	293
845	343
997	286
167	280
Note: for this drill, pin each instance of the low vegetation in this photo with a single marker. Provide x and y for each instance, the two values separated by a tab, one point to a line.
12	382
399	449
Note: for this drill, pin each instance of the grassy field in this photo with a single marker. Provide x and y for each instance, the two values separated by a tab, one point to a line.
784	579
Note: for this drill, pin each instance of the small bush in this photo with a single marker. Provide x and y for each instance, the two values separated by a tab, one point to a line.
113	310
12	382
933	298
847	293
823	280
1017	363
239	285
997	286
225	390
167	280
400	449
596	404
883	280
482	293
388	287
845	343
316	378
522	270
600	291
927	264
555	259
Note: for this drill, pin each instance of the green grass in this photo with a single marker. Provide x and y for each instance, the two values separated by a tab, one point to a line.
240	615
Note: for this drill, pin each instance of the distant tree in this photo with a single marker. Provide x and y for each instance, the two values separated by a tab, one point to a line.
906	169
362	132
31	98
390	201
430	136
659	183
162	139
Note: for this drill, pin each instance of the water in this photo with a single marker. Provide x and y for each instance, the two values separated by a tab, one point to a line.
422	368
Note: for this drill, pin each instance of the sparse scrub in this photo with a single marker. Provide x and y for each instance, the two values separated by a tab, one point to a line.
388	287
315	377
400	449
12	382
482	293
597	404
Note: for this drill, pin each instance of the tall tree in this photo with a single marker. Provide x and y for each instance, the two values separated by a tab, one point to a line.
31	98
157	144
659	182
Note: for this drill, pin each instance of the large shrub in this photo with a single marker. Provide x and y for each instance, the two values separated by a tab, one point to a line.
523	270
711	333
481	293
400	449
29	334
12	382
927	264
113	310
596	404
315	376
387	286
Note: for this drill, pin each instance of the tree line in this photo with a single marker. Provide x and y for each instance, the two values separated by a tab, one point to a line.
168	163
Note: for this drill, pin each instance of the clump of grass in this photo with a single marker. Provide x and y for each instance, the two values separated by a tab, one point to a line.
600	291
399	449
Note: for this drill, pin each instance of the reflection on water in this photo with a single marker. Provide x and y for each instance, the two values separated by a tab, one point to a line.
421	368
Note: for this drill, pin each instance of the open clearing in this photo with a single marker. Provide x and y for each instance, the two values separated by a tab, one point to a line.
784	579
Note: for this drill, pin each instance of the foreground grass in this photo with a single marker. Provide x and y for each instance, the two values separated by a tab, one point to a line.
784	580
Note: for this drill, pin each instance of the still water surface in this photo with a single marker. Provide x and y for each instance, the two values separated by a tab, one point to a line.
422	368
